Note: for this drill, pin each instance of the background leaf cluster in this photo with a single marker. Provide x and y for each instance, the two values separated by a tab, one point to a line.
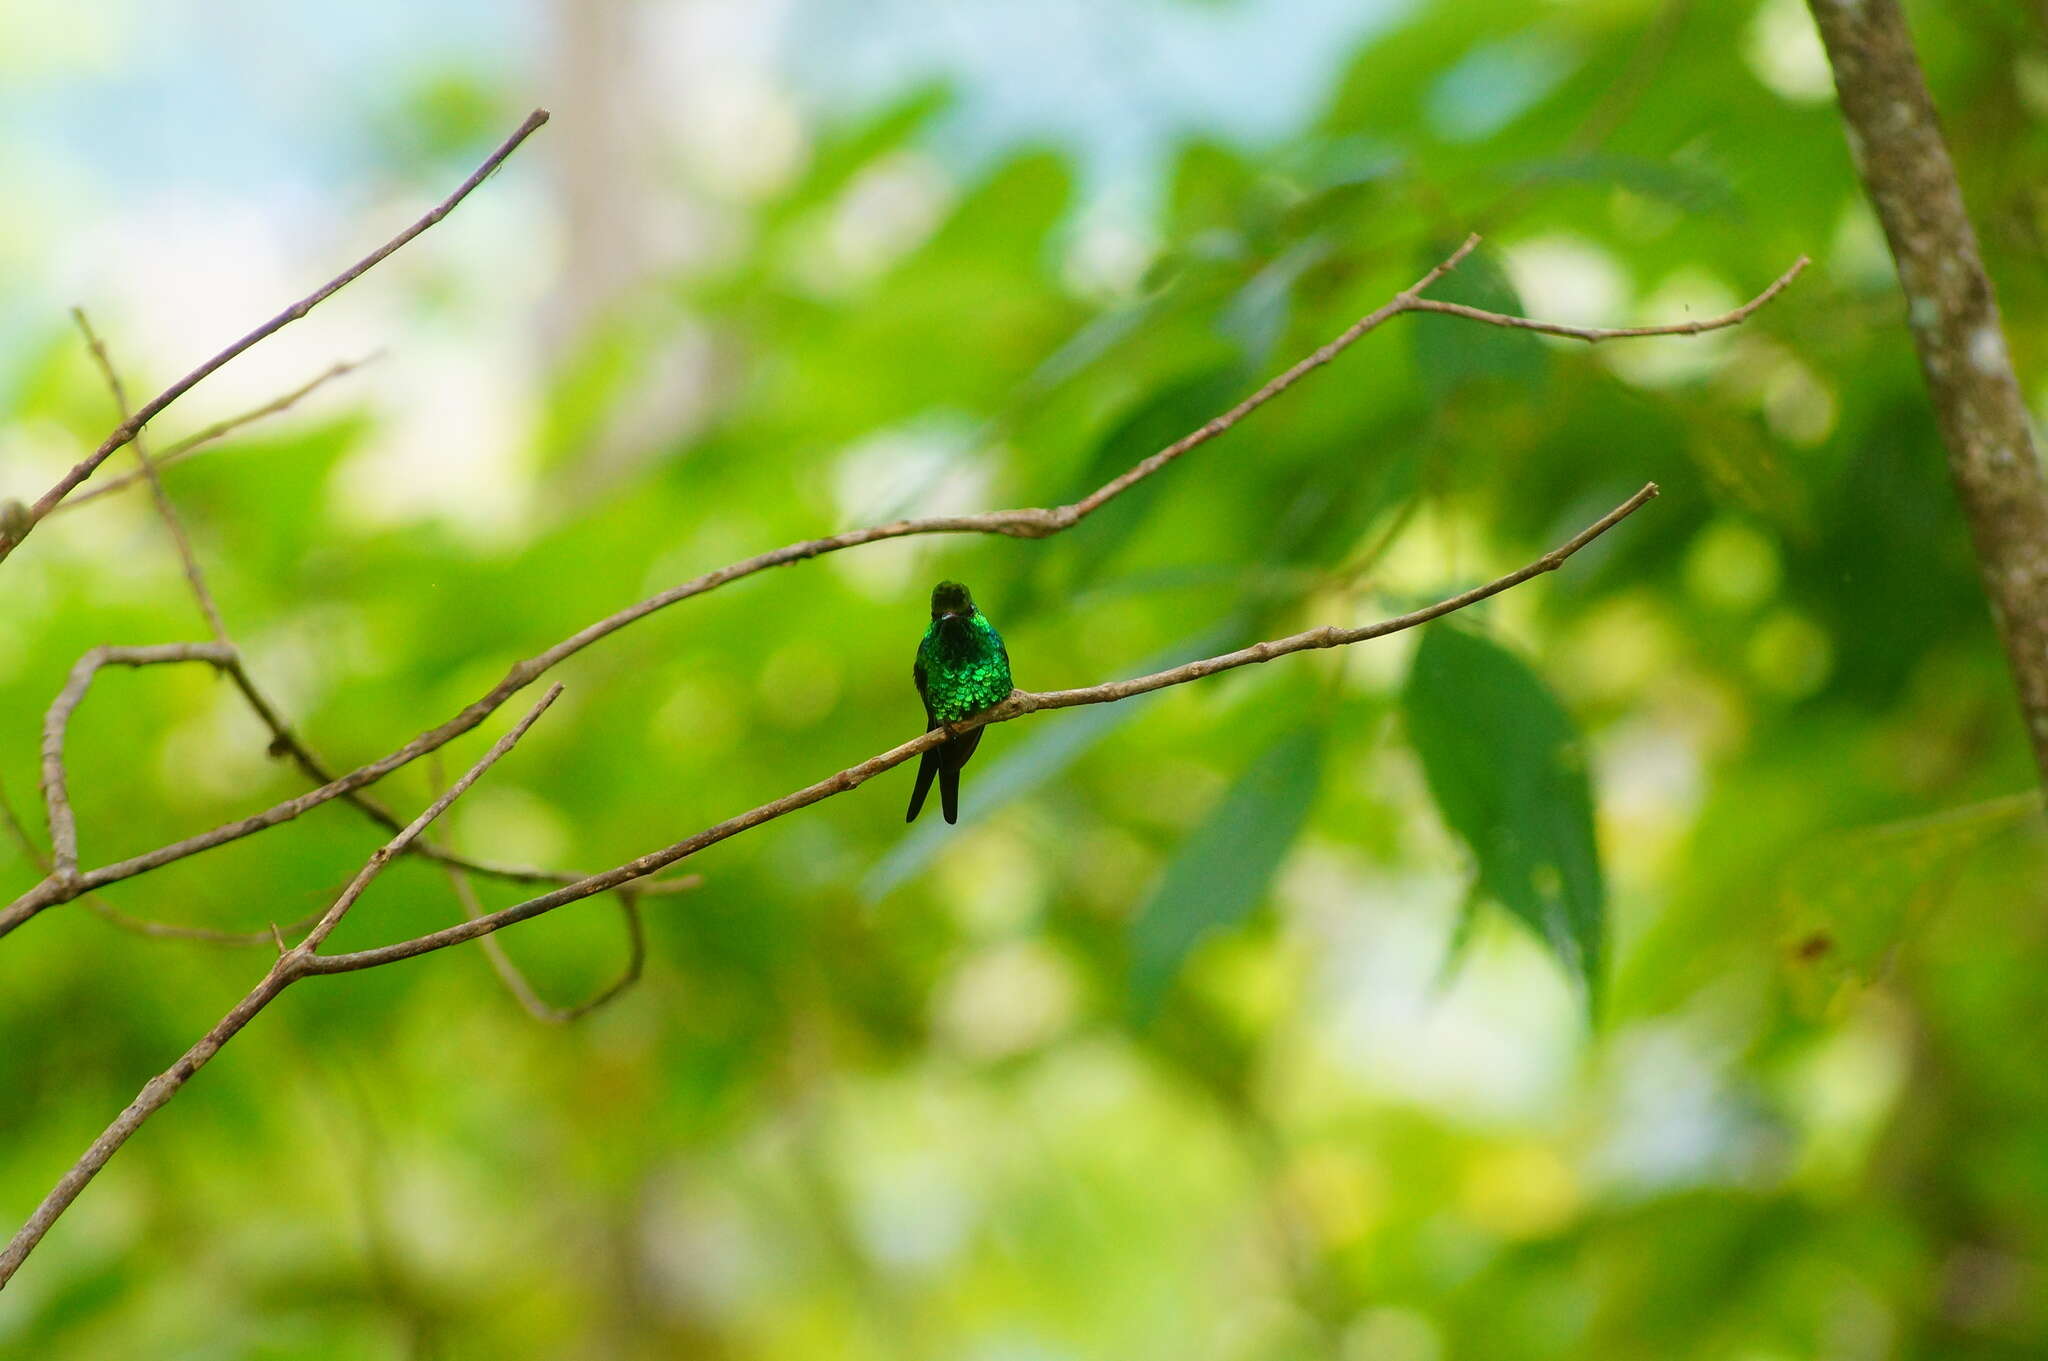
1205	1033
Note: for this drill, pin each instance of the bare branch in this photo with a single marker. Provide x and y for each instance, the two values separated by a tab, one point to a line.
199	439
63	882
1401	302
521	987
1594	334
406	836
285	742
290	966
129	428
1020	703
19	832
56	794
304	959
140	926
194	577
1021	523
201	935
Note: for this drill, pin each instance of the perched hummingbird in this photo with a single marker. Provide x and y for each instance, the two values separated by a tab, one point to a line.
962	668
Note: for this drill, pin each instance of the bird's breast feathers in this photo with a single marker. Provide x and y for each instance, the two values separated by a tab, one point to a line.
966	669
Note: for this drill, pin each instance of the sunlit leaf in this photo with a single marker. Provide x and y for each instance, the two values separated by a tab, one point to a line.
1220	873
1508	772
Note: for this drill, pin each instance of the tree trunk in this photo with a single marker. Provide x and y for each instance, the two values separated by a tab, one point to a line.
1898	148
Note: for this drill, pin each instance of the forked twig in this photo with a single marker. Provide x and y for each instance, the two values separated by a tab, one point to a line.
200	439
128	429
290	966
1021	523
305	959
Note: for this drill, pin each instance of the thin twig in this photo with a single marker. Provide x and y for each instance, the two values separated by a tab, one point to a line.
129	428
19	831
514	978
285	742
63	882
1022	523
1594	334
1404	301
105	910
305	959
198	440
1020	703
289	968
202	935
194	576
57	722
382	857
521	987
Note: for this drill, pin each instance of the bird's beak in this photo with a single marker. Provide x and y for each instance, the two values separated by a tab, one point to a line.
951	614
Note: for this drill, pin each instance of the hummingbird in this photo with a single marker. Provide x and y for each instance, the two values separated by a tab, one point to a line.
962	668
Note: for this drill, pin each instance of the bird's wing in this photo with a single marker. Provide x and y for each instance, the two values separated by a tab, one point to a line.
928	764
917	675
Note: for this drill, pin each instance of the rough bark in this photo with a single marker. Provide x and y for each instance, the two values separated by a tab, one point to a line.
1896	141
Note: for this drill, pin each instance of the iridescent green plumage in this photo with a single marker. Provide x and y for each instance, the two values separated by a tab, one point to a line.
962	668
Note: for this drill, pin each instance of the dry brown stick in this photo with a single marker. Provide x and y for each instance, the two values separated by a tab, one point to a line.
290	967
305	959
521	987
202	935
57	722
199	439
1403	301
1024	523
284	741
194	576
19	831
1952	308
140	926
1020	703
514	978
129	428
1594	334
63	882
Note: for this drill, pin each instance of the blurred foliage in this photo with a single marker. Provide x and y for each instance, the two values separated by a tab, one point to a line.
1155	1054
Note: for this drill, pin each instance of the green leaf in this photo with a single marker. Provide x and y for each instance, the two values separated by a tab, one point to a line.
1693	187
1257	314
1157	421
1094	339
1508	772
1849	899
1221	871
1451	351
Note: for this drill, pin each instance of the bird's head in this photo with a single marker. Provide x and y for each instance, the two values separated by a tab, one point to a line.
950	600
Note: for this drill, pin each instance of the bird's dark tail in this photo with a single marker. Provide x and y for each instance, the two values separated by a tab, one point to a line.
927	766
943	761
952	756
